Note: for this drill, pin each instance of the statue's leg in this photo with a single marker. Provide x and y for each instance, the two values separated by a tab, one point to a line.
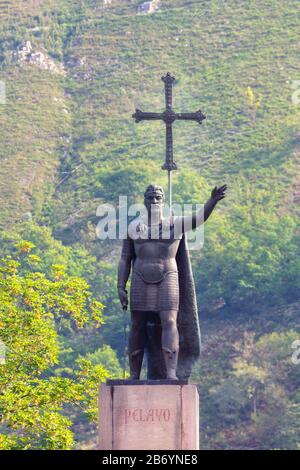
156	365
170	341
136	342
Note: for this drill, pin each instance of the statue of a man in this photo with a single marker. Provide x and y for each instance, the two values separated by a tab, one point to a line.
162	289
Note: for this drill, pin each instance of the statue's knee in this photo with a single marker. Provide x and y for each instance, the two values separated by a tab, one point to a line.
169	323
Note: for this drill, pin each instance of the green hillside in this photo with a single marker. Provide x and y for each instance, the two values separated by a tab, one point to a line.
68	142
114	60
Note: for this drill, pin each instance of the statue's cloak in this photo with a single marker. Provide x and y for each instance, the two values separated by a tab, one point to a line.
187	322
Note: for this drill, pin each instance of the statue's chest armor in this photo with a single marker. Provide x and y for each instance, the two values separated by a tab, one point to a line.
155	258
148	249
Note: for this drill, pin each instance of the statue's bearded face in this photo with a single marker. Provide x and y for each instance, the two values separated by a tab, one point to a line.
154	202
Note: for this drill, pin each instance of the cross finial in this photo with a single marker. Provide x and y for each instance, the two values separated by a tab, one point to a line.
169	116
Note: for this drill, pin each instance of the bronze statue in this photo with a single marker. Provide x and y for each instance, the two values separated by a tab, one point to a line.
164	316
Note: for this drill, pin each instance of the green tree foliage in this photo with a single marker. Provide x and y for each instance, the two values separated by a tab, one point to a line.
31	400
251	253
107	357
256	404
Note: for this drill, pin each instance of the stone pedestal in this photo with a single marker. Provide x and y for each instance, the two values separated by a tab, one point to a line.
148	415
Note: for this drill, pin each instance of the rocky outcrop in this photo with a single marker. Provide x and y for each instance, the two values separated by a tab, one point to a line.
26	54
148	7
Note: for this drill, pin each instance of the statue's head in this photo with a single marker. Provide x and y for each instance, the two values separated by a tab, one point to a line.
154	197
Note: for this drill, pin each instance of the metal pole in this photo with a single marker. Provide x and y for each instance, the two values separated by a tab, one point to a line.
170	190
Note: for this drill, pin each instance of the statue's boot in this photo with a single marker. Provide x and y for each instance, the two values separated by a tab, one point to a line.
171	359
135	363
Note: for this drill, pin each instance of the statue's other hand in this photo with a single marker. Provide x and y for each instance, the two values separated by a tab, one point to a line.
218	193
123	298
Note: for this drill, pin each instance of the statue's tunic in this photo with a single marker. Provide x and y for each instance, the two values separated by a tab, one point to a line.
154	283
157	296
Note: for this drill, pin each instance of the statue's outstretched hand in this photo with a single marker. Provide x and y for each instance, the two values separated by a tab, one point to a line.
218	193
123	298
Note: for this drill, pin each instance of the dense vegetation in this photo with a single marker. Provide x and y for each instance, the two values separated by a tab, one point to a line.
68	143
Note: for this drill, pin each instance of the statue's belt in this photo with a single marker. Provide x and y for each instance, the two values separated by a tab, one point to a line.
153	276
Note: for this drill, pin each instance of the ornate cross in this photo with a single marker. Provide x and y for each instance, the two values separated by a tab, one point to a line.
169	116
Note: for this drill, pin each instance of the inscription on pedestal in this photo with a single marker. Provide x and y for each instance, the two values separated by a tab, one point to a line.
148	417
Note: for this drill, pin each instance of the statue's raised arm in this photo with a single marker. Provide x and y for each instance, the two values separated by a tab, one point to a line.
190	222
